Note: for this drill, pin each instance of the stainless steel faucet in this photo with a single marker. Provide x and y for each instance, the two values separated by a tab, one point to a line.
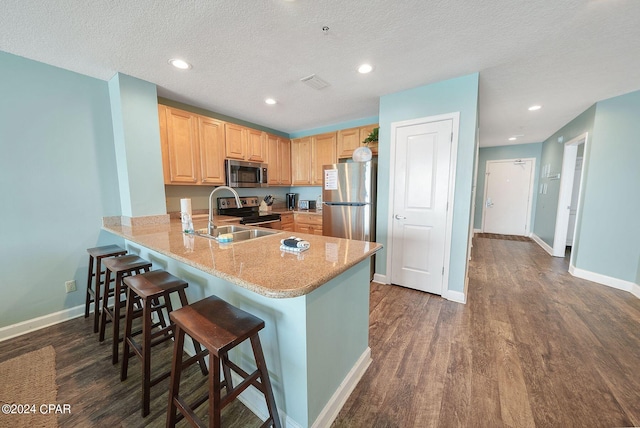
212	226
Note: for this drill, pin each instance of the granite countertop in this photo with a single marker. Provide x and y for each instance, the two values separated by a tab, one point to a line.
257	264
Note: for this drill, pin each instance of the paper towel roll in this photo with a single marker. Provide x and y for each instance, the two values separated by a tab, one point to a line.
185	206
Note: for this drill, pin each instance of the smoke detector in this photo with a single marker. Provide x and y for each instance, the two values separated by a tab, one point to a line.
315	82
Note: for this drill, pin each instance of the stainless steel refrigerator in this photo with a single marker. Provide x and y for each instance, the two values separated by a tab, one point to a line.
349	200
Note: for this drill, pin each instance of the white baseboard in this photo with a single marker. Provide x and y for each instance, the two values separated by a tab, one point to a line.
635	290
477	231
34	324
382	279
455	296
609	281
254	400
543	244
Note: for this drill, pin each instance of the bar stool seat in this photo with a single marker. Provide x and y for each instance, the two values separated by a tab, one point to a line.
154	290
96	255
219	327
120	267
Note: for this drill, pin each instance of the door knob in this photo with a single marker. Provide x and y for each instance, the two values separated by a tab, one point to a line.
400	217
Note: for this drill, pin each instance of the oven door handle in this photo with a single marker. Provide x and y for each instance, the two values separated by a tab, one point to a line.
262	222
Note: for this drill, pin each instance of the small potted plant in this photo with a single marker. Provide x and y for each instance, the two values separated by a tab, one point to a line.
371	138
363	154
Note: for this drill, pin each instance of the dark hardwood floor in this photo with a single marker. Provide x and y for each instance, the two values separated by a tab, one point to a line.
533	346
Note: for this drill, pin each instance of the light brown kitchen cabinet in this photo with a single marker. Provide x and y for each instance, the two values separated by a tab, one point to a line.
235	141
179	140
211	142
352	138
324	153
279	160
308	223
256	146
286	222
284	150
192	147
308	155
301	161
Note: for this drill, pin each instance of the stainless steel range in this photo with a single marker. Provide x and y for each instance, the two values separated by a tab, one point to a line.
250	211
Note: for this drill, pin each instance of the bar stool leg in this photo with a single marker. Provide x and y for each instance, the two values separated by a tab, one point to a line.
105	302
89	287
264	380
124	368
146	356
97	295
176	373
214	391
116	319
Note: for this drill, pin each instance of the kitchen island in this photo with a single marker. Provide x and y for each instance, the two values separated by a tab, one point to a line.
315	305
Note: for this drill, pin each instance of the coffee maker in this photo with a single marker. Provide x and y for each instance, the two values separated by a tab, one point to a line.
292	201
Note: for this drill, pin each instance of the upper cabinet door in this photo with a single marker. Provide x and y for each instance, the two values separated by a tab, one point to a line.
348	141
256	146
182	146
284	150
211	150
301	161
273	159
164	145
235	141
324	153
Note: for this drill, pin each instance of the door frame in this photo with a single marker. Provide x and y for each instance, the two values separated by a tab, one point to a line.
569	157
455	128
527	229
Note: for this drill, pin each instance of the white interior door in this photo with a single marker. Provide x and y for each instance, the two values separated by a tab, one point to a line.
421	188
508	192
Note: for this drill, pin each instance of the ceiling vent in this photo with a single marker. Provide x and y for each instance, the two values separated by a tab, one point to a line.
315	82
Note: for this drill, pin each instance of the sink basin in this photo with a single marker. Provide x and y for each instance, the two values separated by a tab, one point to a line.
239	233
251	234
232	228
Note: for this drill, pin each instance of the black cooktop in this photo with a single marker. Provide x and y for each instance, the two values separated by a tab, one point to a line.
259	218
250	210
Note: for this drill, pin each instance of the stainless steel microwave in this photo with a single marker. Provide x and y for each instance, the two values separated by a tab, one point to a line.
246	174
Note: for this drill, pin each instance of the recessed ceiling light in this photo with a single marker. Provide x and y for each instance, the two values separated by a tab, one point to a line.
534	108
179	63
365	68
512	139
270	101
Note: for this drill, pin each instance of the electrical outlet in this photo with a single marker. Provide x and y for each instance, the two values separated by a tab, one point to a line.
70	286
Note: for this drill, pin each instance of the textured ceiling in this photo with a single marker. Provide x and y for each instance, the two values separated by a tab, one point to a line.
562	54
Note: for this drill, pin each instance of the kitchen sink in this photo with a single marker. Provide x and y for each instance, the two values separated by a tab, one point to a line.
251	234
238	233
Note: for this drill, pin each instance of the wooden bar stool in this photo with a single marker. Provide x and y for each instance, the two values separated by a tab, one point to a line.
150	288
93	293
120	267
219	327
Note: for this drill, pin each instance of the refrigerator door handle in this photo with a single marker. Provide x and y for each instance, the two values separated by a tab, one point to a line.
400	217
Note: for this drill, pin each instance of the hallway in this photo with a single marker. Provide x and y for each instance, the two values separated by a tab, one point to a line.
533	346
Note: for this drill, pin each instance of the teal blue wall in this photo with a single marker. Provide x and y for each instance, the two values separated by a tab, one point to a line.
609	230
454	95
552	153
516	151
57	181
134	109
